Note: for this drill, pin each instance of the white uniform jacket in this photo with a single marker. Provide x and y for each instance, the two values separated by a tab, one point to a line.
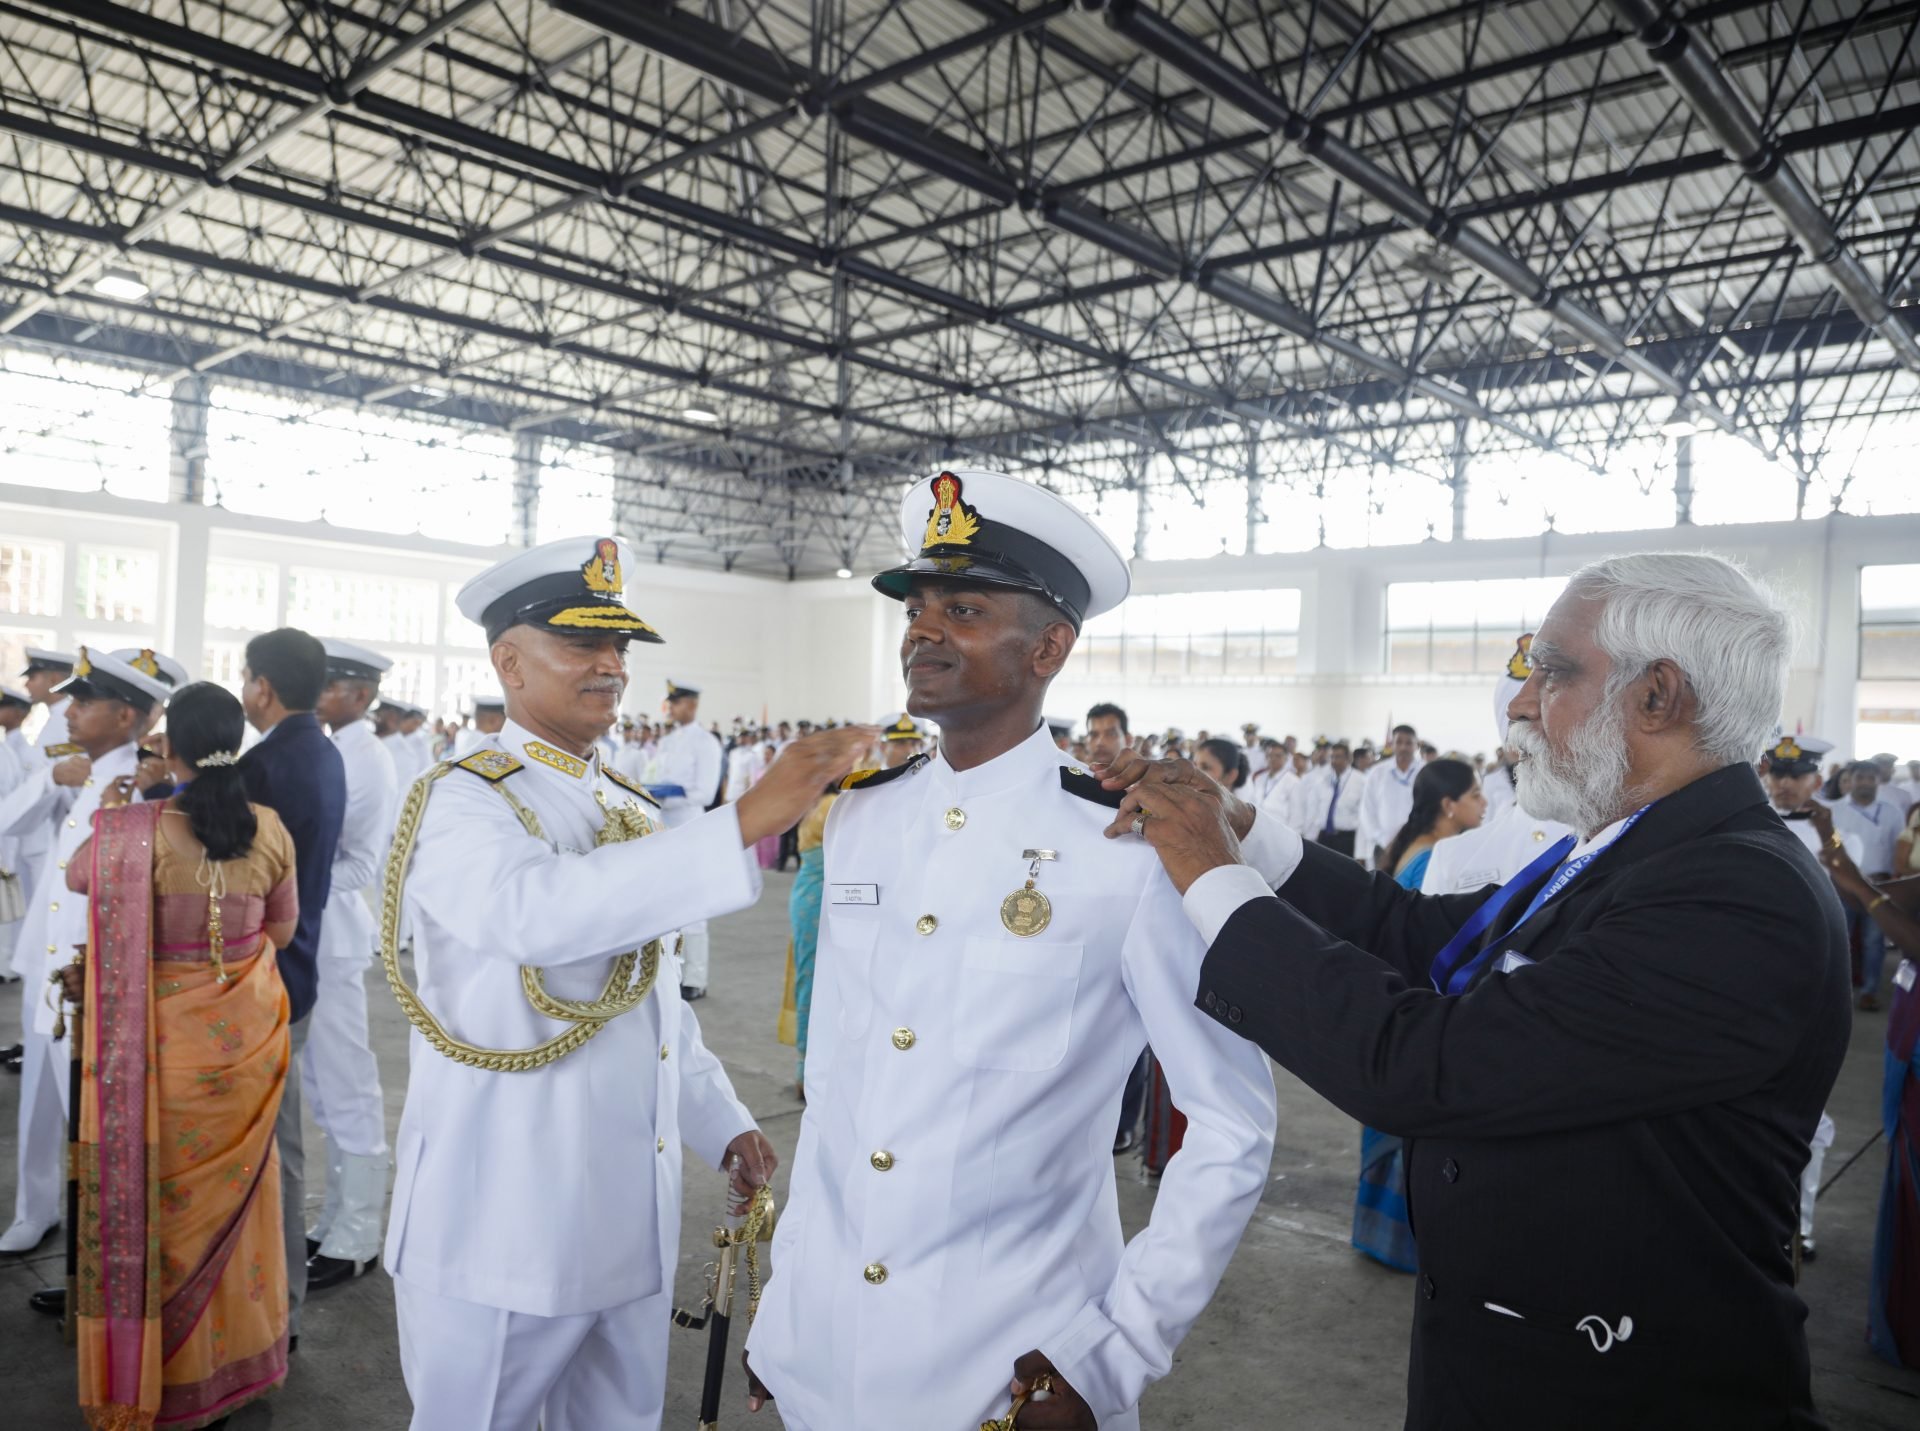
952	1201
1504	845
56	917
1386	804
554	1192
1344	794
409	759
347	930
689	758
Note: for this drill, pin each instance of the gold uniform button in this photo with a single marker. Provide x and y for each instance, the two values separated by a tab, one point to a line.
53	949
63	864
69	824
903	1039
54	906
882	1161
926	924
875	1273
659	1145
956	817
663	1053
1539	835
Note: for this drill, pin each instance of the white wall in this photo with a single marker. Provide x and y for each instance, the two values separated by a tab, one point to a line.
829	648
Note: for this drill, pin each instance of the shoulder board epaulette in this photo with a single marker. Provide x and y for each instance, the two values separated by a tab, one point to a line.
625	784
867	779
491	765
63	750
1077	782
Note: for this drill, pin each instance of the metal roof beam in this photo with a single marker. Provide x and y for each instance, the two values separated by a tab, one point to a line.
1695	72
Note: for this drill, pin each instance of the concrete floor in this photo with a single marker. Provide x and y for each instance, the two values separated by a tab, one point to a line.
1304	1331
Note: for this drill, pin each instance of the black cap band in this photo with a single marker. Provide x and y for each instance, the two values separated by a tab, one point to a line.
998	555
100	685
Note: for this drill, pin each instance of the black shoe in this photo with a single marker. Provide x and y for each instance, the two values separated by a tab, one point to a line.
11	1059
691	994
1807	1253
13	1051
313	1248
1123	1144
49	1301
324	1272
293	1344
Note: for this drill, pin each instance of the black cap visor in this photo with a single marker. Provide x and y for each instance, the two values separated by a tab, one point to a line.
1063	585
99	686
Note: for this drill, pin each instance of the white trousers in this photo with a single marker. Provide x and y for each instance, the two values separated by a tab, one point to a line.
693	954
1810	1175
475	1368
39	1195
338	1072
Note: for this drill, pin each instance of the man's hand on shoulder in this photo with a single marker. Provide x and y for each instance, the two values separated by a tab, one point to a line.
1054	1405
1188	826
798	777
1130	770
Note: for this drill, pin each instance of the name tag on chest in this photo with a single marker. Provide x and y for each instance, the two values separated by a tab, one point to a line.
853	894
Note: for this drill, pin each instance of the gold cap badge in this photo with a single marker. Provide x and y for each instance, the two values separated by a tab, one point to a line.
1521	665
602	569
145	664
952	523
83	667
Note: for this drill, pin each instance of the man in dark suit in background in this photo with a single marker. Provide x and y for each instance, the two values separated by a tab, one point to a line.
1608	1070
297	772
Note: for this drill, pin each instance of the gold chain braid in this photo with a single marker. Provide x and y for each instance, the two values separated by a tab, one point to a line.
757	1224
587	1017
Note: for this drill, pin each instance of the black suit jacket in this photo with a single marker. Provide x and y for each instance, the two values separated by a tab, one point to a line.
1615	1132
297	772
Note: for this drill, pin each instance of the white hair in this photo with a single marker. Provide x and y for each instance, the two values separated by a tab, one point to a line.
1724	630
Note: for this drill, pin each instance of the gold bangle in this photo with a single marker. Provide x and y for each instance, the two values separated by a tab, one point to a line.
1835	840
1883	899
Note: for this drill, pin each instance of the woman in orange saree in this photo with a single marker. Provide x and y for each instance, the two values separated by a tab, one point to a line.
180	1301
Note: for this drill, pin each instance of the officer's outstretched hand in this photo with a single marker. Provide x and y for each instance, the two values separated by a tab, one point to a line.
1130	769
1054	1403
781	797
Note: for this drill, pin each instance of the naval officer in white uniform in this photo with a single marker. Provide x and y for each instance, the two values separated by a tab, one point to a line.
106	703
410	757
340	1078
1509	840
990	966
689	764
536	1202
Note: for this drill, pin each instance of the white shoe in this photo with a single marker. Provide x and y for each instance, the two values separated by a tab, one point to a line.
25	1236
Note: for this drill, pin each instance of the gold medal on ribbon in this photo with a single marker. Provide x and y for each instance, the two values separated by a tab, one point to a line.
1026	911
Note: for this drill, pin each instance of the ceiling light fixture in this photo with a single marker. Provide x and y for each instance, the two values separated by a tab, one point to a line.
121	283
700	414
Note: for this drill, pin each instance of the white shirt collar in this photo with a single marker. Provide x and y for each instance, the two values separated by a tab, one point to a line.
1033	759
1600	840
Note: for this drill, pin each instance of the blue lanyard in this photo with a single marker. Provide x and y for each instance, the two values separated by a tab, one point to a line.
1449	979
1450	975
1575	868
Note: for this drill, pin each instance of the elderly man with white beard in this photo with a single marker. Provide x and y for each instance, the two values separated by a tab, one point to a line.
1608	1069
